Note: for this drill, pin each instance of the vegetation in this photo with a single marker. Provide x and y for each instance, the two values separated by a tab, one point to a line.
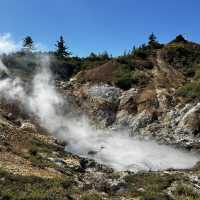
94	60
192	88
144	51
182	56
62	51
179	38
152	185
15	187
153	43
129	70
132	68
186	192
28	44
90	196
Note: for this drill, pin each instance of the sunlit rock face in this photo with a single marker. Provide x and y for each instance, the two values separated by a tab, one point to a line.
190	121
152	113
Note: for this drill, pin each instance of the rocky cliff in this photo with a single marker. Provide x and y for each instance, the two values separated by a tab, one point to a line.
162	106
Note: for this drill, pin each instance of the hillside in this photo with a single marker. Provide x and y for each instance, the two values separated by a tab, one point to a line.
79	136
163	82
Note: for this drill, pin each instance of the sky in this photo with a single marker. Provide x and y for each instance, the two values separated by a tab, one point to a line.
96	25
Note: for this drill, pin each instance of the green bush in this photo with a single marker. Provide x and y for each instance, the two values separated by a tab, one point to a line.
140	77
197	73
124	82
191	89
186	192
152	184
123	77
126	76
90	196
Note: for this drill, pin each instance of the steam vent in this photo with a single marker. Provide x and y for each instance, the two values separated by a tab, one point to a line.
99	100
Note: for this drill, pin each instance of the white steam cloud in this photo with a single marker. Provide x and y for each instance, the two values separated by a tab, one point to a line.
7	45
115	149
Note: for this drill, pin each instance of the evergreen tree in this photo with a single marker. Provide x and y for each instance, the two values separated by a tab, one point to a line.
92	56
104	55
28	43
62	51
152	39
153	43
133	50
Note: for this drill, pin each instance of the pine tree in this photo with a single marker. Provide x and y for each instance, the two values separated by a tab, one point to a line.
152	39
105	55
62	51
153	43
133	50
28	43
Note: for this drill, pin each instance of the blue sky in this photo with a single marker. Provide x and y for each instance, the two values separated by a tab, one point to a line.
98	25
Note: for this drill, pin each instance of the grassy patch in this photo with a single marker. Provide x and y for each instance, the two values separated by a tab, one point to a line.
191	89
186	192
34	154
182	56
39	154
90	196
150	186
31	188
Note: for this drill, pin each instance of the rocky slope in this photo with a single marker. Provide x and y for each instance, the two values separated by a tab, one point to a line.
146	95
34	165
156	108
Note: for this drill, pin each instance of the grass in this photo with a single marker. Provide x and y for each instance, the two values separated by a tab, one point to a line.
34	156
39	153
191	89
185	192
153	185
90	196
31	188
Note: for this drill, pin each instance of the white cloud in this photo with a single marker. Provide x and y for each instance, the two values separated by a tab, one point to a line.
7	44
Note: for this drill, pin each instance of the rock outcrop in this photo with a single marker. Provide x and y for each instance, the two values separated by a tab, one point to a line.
151	110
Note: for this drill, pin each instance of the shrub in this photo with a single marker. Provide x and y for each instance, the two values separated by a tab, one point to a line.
21	187
191	89
186	192
140	77
153	185
90	196
123	77
33	151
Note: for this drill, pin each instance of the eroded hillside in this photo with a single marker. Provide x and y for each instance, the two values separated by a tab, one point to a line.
34	165
152	93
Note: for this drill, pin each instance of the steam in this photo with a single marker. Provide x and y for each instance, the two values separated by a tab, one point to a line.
115	149
7	45
3	68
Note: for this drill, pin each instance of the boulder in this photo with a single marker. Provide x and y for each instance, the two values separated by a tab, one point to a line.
190	122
